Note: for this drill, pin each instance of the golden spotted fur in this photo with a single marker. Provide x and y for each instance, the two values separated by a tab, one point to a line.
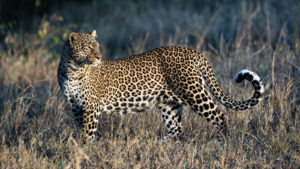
166	77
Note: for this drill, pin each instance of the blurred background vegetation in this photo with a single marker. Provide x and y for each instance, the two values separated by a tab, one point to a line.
120	23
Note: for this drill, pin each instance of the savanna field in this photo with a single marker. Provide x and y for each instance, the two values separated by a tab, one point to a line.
36	124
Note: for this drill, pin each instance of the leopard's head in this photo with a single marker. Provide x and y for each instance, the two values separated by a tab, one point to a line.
82	48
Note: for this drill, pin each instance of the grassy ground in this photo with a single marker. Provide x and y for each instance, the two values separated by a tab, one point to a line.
36	127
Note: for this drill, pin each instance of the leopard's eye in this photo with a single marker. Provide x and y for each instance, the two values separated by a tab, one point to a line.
90	47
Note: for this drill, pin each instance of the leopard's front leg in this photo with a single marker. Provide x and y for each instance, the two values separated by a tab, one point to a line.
90	123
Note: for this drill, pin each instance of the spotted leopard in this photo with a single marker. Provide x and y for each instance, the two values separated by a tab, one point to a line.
166	77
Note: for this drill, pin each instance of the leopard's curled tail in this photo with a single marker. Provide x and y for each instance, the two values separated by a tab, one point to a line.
216	90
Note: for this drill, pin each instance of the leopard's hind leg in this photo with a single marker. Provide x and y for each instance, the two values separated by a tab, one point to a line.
199	99
171	114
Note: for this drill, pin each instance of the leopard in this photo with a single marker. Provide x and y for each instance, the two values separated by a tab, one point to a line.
166	78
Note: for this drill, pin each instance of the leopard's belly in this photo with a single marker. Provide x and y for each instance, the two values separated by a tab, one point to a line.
131	105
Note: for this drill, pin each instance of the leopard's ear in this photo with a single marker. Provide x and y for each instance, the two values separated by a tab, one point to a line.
93	33
72	38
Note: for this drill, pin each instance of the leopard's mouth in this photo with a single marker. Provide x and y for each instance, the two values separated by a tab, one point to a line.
92	60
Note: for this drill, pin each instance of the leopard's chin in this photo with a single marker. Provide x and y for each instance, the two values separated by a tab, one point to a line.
93	61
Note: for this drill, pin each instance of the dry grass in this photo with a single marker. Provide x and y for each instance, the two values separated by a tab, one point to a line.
37	131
